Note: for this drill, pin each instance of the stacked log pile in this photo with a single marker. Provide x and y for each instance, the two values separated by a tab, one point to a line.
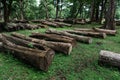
39	58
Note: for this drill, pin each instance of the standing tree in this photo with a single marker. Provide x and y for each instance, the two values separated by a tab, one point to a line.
7	5
109	16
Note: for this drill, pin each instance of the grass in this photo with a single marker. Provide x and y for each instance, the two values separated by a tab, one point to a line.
82	64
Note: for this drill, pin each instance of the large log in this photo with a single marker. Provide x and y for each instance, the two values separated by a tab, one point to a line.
38	58
24	43
91	34
54	37
108	32
109	58
77	37
65	48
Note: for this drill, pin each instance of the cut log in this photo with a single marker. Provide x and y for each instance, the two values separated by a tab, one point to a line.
54	37
24	43
63	24
108	32
42	26
91	34
37	58
60	23
109	58
50	24
84	29
76	37
65	48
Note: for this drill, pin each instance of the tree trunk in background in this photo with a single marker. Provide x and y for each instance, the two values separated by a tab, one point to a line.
7	10
21	10
61	6
109	17
92	18
57	8
46	9
103	6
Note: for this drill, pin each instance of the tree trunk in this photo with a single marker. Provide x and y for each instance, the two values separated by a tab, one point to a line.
21	10
109	17
7	10
37	58
91	34
109	58
76	37
92	16
65	48
108	32
57	8
54	37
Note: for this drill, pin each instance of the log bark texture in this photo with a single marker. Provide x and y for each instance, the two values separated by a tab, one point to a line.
38	58
91	34
65	48
76	37
54	37
109	58
108	32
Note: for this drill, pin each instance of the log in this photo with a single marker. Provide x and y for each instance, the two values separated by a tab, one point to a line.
109	58
63	24
60	23
65	48
54	37
50	24
84	29
37	58
25	43
108	32
91	34
42	26
76	37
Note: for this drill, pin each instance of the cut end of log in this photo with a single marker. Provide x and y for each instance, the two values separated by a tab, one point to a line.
70	49
90	41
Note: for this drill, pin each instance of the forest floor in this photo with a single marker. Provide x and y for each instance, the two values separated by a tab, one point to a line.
82	64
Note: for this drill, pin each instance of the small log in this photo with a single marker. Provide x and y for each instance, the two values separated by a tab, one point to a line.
76	37
65	48
84	29
91	34
108	32
109	58
54	37
63	24
37	58
50	24
42	26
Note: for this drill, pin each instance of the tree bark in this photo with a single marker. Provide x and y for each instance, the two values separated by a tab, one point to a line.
109	17
91	34
65	48
76	37
37	58
109	58
108	32
54	37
